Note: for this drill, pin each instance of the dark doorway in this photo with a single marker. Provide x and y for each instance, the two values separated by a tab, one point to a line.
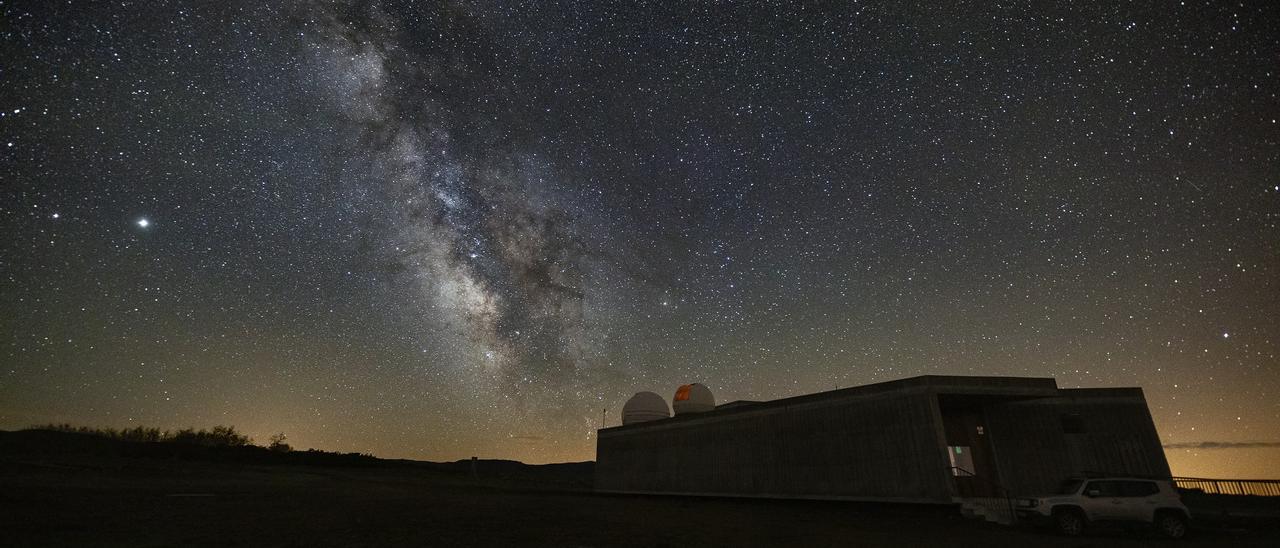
972	462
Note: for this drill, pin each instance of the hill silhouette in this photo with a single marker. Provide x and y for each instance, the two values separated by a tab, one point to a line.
100	447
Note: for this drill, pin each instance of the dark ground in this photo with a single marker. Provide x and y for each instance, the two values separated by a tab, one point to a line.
106	496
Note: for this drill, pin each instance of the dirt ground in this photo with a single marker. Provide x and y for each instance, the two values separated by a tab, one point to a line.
148	502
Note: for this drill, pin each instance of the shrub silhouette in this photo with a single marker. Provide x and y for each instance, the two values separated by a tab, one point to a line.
277	443
220	436
221	443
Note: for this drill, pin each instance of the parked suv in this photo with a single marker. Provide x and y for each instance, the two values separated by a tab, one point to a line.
1082	502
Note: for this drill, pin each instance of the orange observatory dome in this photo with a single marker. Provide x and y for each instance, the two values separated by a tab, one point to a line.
693	398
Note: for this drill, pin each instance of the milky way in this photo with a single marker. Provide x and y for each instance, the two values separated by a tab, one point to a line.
444	229
474	226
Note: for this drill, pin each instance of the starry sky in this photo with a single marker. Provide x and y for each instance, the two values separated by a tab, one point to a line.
434	230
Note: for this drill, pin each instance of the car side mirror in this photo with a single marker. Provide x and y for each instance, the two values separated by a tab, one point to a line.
1093	493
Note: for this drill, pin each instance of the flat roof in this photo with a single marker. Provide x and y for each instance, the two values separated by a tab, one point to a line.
941	384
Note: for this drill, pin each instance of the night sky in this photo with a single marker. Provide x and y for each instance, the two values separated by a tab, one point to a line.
437	230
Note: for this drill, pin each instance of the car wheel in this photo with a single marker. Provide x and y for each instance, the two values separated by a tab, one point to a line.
1171	525
1069	524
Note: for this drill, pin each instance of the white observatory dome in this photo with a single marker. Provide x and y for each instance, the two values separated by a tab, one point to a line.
693	398
645	406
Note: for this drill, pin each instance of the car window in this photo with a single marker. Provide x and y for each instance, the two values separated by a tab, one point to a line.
1138	488
1069	487
1106	488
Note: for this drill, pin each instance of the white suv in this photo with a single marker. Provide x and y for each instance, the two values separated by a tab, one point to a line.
1082	502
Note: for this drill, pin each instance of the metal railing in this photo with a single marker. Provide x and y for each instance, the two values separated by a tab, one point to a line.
957	471
1255	487
1260	488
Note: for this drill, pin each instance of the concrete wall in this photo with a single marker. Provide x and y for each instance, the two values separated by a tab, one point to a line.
1034	454
870	445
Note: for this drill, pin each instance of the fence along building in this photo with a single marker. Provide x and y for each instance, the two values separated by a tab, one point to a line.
921	439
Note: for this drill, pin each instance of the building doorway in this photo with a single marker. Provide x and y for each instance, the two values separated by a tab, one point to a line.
971	459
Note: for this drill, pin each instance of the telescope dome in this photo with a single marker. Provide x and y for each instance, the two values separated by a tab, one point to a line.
645	406
693	398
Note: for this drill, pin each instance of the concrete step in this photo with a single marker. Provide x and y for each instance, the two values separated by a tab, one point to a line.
995	510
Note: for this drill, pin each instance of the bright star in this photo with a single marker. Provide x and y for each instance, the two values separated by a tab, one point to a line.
144	223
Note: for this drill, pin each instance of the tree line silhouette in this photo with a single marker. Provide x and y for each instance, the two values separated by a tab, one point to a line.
218	436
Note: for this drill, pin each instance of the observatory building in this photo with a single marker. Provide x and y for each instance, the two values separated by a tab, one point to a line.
921	439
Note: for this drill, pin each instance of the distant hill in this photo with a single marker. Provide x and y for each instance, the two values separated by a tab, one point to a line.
52	447
41	442
573	473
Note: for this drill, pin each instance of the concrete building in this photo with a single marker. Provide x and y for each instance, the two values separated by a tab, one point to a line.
922	439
